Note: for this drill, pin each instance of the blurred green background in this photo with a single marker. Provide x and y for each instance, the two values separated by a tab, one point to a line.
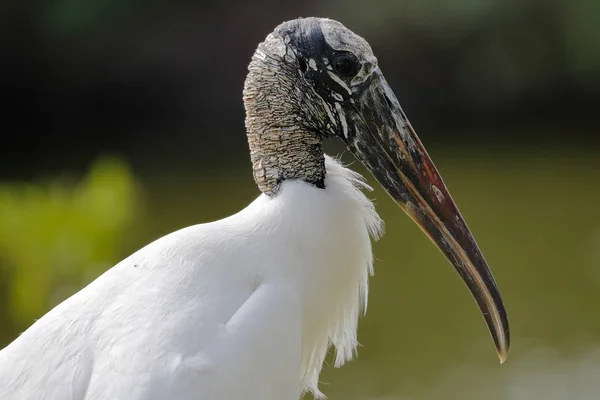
124	122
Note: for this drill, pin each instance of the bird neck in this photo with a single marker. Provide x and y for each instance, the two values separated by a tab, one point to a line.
280	148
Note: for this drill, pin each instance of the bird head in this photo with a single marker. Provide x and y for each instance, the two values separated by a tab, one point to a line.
316	78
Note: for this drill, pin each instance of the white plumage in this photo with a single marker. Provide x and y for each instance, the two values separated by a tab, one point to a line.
234	309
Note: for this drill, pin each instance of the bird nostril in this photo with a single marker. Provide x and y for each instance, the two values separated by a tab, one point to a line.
388	101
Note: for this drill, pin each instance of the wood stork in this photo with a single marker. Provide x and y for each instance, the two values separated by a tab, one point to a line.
246	307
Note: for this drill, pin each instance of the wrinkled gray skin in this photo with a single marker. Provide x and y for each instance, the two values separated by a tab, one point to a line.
290	96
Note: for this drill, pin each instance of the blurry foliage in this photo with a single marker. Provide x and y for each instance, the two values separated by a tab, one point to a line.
56	237
582	35
71	15
514	47
127	71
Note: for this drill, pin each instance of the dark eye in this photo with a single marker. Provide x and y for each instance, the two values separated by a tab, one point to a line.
345	64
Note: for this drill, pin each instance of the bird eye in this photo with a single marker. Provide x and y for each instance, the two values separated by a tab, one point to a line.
345	64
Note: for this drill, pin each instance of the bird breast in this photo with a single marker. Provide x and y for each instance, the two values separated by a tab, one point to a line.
324	237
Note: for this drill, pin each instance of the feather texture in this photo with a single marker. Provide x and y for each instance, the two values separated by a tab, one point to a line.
244	307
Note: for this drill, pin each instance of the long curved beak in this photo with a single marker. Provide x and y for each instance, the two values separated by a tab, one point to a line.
386	143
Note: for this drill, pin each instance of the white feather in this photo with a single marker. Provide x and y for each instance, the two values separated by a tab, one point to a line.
245	307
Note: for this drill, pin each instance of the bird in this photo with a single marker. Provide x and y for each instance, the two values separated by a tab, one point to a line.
248	306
